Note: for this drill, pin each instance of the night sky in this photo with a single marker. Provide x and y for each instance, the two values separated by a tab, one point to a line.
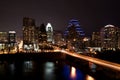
92	14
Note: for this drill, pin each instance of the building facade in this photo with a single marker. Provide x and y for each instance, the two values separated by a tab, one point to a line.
28	33
110	37
11	40
58	38
96	39
8	42
3	40
42	34
49	31
74	35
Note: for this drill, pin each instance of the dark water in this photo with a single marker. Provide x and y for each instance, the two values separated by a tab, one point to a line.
42	70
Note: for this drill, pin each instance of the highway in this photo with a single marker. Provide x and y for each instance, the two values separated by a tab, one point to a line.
104	63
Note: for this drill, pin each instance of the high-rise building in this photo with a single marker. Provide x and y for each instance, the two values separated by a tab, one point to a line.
42	34
74	34
49	30
3	37
7	41
28	33
96	39
110	37
3	40
11	40
28	22
58	38
77	28
12	37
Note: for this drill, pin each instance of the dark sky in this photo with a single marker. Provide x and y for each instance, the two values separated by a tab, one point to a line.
92	14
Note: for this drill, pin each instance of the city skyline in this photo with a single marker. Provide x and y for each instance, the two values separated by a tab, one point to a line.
91	14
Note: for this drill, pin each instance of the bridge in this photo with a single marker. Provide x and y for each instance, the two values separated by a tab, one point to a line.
104	63
101	62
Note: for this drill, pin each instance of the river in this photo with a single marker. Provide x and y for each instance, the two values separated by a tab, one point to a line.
44	70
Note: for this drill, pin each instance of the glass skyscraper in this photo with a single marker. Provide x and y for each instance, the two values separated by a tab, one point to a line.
78	28
74	35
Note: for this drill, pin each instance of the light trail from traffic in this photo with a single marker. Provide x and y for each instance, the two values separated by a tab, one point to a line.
104	63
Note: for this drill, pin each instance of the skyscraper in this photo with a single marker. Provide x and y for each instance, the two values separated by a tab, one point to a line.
109	37
49	30
96	39
77	26
28	33
74	34
3	40
58	38
11	40
42	34
3	37
8	41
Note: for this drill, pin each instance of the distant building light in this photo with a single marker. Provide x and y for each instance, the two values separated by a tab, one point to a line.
12	32
85	39
74	39
109	26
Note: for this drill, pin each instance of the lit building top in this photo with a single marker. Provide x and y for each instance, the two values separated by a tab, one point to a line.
12	32
49	27
78	28
109	25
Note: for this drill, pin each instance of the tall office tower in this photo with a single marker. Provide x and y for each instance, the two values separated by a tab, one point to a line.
3	37
110	37
74	34
42	36
96	39
49	30
3	40
58	38
28	33
28	22
11	40
77	28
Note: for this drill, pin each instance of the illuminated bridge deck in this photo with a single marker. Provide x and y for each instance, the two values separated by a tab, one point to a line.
101	62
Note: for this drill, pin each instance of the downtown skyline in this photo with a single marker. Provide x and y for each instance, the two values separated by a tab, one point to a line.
92	15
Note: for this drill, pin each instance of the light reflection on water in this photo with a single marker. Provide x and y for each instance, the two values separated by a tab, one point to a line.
2	69
73	73
12	68
27	66
88	77
92	66
49	71
43	70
